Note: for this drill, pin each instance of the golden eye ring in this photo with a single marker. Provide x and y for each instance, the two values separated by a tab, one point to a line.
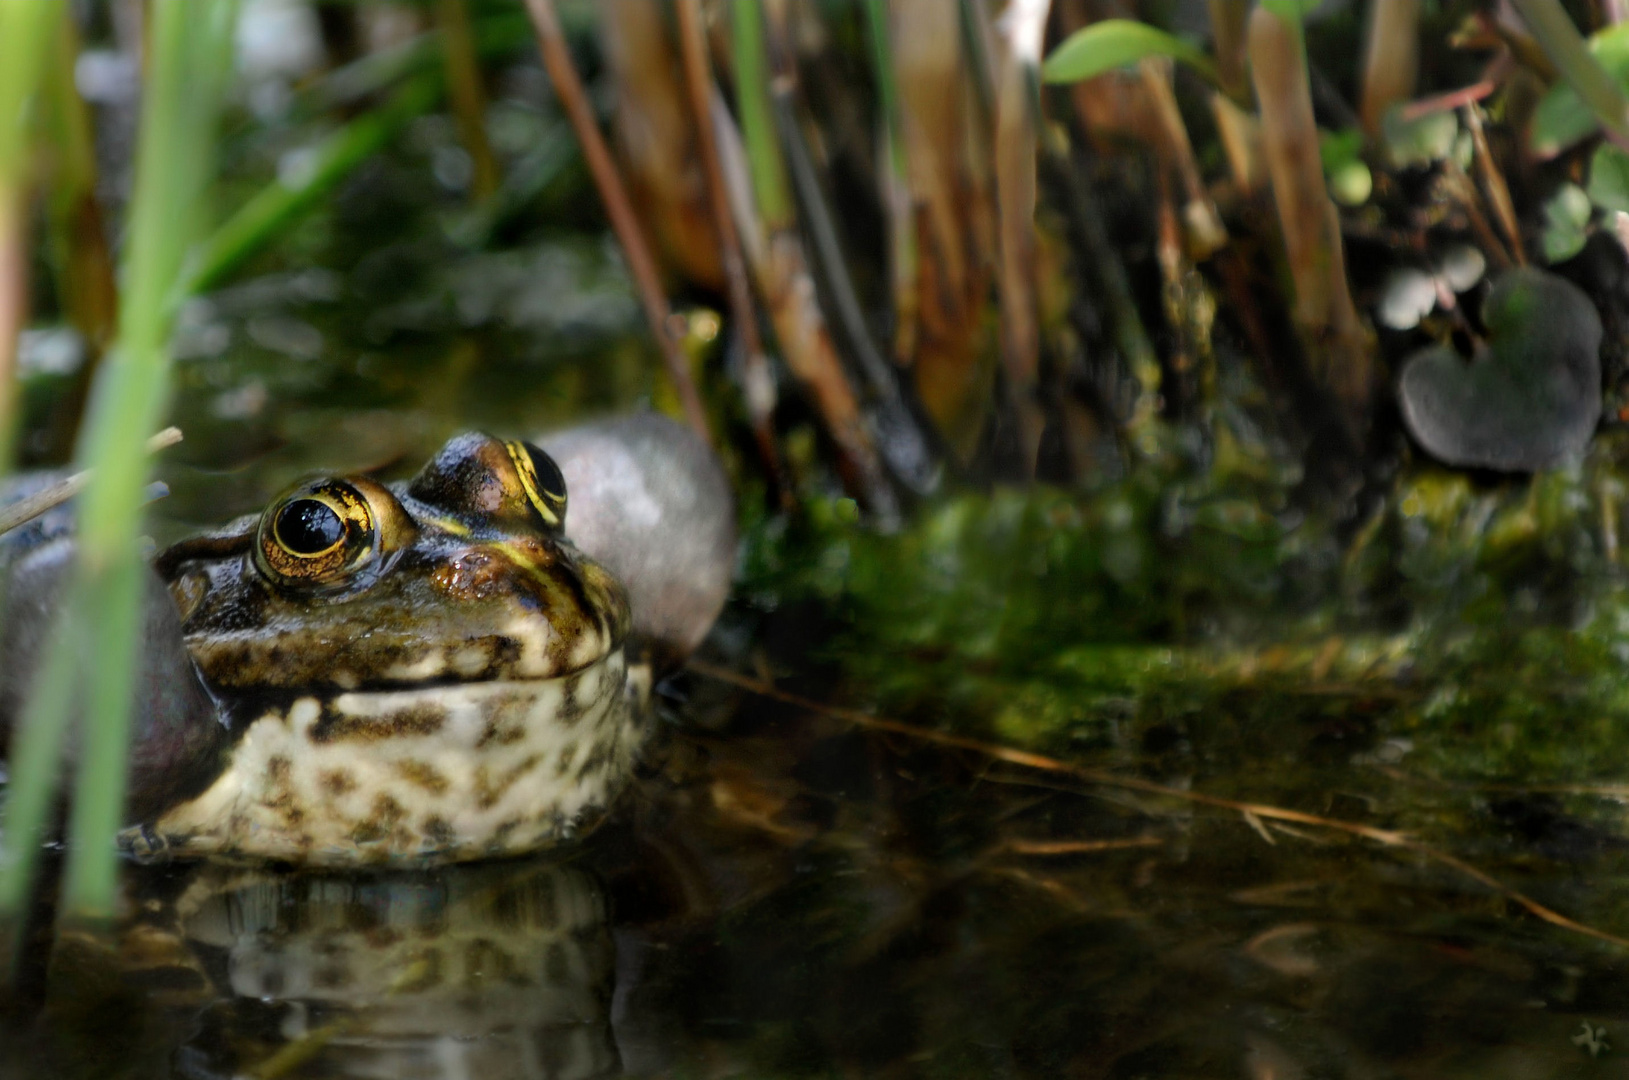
315	534
540	477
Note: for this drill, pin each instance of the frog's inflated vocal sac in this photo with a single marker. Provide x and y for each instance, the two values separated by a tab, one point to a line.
428	671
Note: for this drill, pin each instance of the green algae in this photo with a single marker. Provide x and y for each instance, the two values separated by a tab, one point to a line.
1484	620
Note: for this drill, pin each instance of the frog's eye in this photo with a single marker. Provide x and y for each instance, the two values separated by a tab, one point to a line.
325	530
540	476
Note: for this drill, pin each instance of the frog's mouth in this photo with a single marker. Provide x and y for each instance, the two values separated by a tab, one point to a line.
431	773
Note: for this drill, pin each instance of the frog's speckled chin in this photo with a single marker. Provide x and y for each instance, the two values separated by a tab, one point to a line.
438	774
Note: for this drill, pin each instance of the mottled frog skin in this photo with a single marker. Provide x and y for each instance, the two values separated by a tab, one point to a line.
425	672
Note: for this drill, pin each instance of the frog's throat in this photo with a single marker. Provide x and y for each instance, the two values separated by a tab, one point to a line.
439	774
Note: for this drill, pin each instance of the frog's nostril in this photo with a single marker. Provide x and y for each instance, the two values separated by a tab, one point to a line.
308	527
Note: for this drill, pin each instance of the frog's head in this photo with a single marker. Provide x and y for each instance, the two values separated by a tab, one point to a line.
342	584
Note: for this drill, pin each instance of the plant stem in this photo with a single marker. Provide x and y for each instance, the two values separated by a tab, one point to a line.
896	187
568	87
781	270
757	375
1329	322
1391	60
769	184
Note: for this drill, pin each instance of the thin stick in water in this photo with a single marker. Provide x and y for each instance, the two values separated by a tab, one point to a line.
27	509
1040	762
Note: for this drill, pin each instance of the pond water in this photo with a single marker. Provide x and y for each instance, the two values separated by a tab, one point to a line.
784	894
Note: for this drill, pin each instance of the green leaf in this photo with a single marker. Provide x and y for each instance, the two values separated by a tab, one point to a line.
1609	178
1114	43
1562	118
1566	215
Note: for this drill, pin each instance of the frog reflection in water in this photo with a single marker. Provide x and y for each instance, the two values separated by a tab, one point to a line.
494	970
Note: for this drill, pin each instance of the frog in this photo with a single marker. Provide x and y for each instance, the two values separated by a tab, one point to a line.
425	671
437	670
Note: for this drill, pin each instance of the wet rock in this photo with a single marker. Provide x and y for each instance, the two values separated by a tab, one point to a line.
175	734
650	501
1531	396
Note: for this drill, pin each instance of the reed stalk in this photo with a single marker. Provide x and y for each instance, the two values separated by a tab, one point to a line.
189	50
656	139
1017	102
1391	59
896	186
1202	223
82	261
762	201
1336	344
1237	129
948	158
758	378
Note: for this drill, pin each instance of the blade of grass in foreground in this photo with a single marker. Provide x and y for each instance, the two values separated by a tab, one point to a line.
186	72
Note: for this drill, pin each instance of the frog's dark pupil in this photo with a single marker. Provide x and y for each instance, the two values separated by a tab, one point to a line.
308	527
548	473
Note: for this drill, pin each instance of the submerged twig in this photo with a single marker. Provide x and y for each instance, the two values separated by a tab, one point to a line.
27	509
569	88
1261	811
1020	846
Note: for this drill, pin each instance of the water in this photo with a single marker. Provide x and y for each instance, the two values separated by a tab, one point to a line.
785	894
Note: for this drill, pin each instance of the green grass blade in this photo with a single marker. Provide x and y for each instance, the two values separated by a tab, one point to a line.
35	768
269	213
769	183
26	27
188	64
1115	43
